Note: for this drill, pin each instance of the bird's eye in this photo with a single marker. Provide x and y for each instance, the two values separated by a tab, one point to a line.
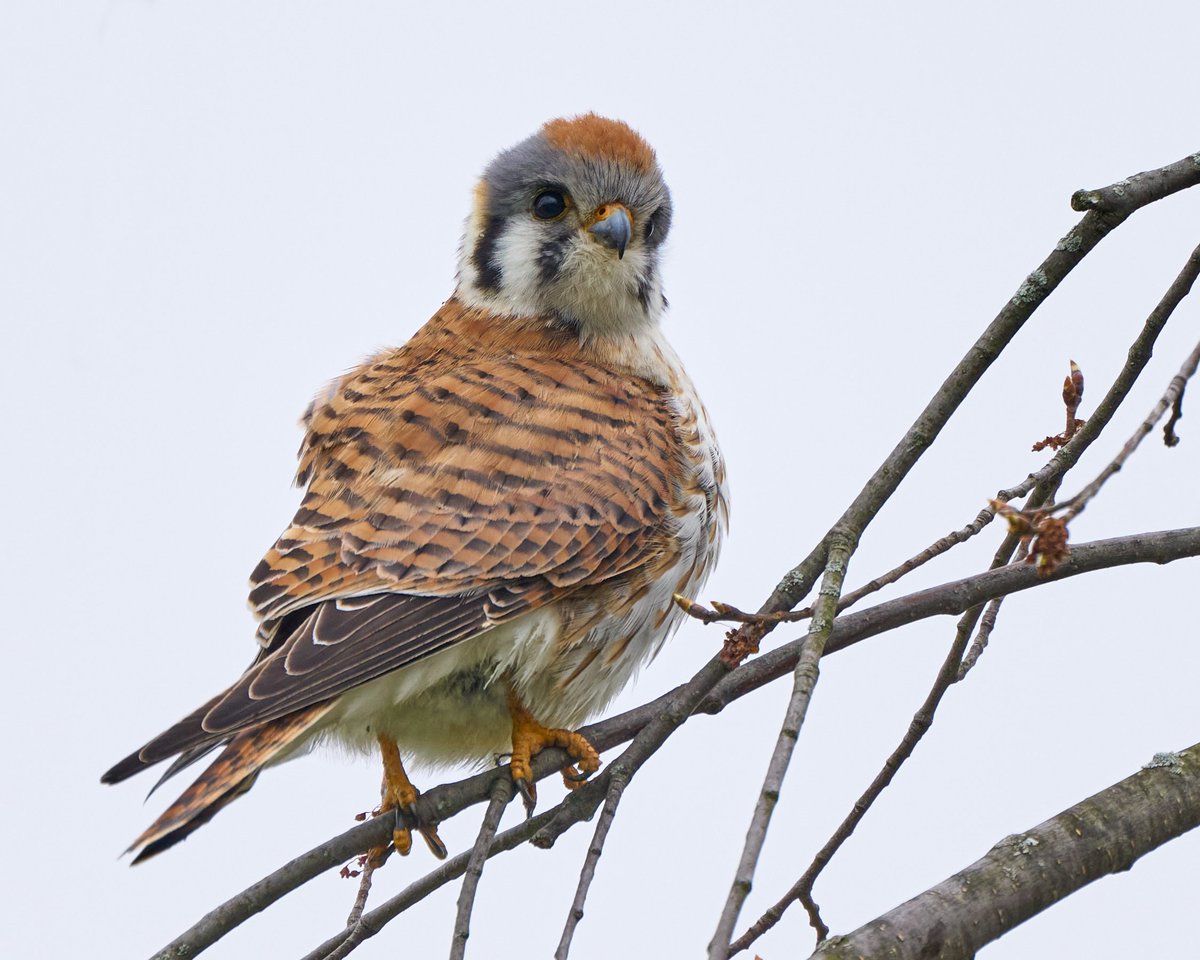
549	204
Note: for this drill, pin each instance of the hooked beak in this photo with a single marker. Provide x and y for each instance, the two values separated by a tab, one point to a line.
613	227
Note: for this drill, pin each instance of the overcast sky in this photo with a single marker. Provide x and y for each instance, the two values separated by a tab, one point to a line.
209	210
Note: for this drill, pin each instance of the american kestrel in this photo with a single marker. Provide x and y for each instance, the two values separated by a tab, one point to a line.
497	514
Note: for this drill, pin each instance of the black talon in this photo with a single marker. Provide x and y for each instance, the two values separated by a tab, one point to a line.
433	841
528	796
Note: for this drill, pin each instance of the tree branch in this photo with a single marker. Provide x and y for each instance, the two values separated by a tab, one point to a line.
1131	194
502	793
1024	874
615	790
673	708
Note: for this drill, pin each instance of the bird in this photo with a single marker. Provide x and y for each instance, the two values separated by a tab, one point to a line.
496	515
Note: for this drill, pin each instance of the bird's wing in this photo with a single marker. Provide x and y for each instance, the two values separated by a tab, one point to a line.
452	484
323	650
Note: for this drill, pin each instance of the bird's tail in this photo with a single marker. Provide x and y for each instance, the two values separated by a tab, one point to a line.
224	780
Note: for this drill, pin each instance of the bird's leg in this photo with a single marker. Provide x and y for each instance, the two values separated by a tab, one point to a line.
400	795
529	738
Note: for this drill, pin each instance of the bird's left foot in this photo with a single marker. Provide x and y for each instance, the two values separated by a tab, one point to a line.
529	738
400	796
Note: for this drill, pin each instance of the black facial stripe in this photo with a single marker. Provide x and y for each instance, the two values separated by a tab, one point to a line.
551	256
643	292
485	266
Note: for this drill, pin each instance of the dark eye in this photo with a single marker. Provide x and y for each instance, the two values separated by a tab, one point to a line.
549	204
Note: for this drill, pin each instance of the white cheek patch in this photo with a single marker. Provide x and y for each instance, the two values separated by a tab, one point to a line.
518	255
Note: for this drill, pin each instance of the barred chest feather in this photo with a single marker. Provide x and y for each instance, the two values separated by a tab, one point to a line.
597	484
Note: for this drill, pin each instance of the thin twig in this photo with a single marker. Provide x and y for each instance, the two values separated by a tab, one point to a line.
935	549
801	890
804	681
1049	533
502	794
370	865
449	870
727	613
1138	356
346	943
615	790
986	625
354	930
1076	505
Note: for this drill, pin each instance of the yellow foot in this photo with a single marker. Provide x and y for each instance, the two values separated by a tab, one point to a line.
529	738
400	796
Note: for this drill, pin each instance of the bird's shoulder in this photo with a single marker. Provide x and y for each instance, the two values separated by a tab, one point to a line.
467	376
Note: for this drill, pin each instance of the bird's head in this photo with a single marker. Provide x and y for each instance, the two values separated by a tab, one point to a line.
569	224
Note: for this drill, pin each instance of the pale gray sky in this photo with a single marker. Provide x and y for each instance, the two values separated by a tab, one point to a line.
211	209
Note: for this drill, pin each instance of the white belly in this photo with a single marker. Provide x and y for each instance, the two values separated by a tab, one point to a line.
452	707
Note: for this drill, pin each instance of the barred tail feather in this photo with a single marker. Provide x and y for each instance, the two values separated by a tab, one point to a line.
224	780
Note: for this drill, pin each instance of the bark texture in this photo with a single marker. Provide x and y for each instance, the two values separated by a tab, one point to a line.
1025	873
